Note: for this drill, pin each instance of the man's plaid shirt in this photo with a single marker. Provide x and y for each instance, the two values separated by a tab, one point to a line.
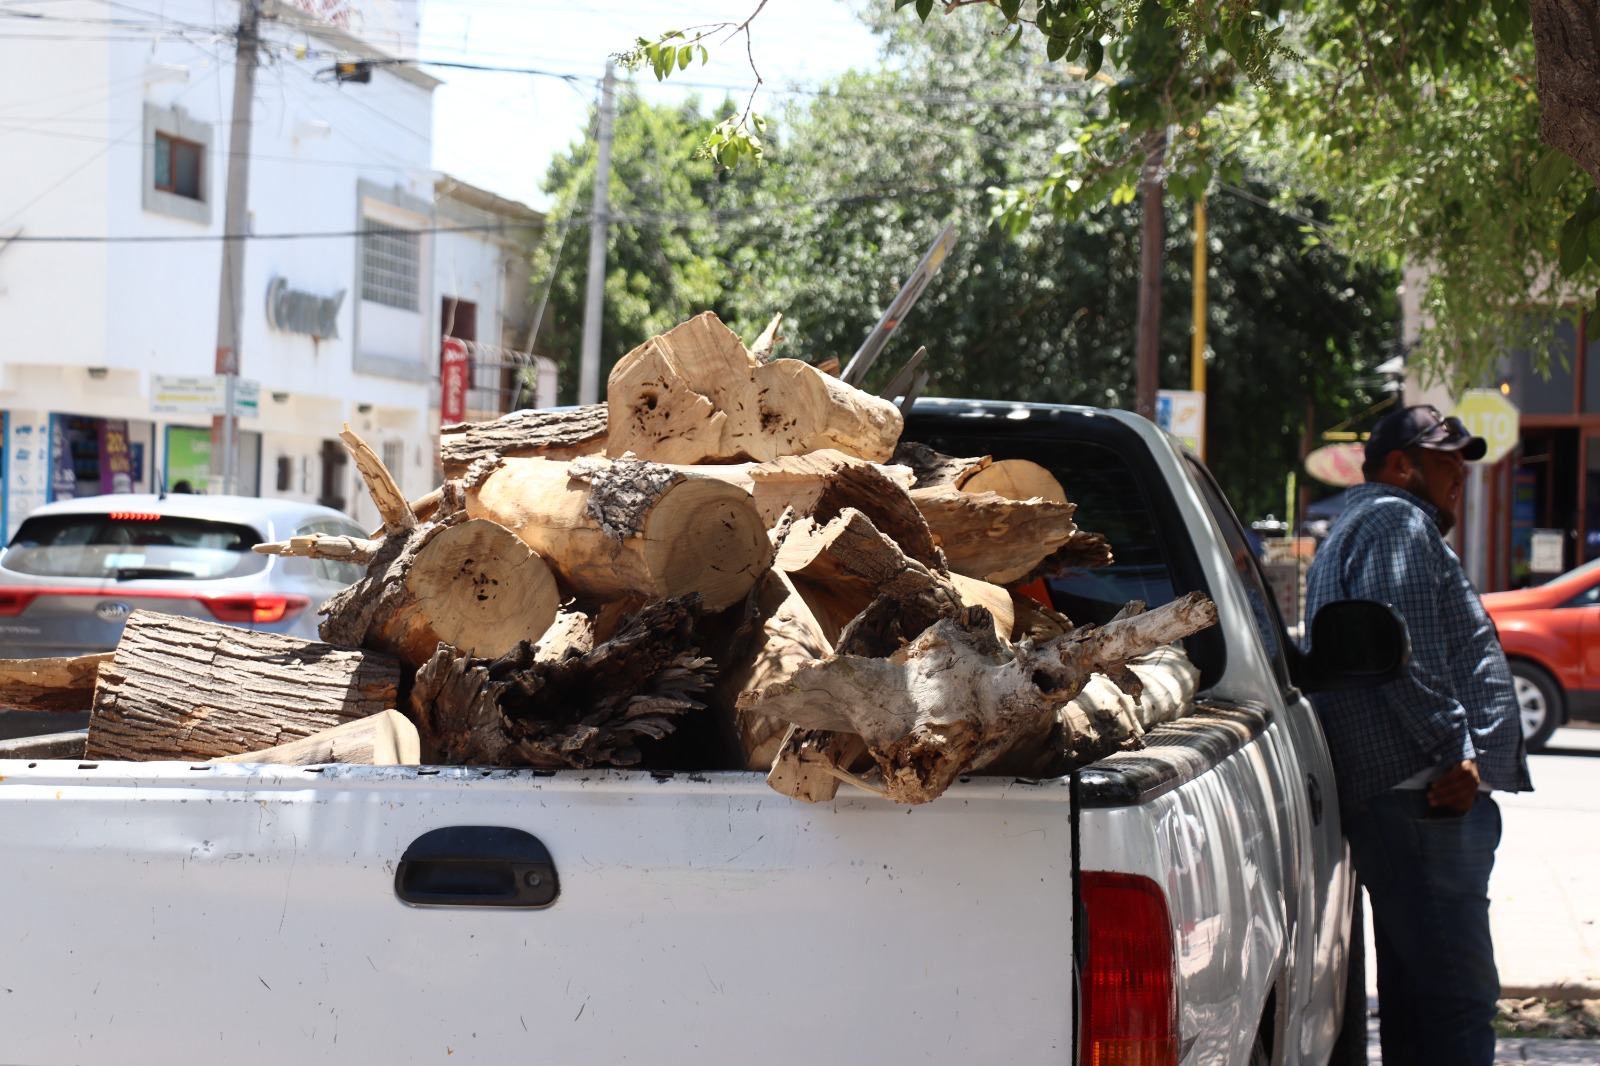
1456	700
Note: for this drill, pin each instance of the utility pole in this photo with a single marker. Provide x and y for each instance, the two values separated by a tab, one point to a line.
599	226
1147	365
235	226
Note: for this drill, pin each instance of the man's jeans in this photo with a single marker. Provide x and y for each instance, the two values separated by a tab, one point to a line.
1428	880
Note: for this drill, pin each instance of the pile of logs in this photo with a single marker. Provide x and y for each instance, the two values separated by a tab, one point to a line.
733	563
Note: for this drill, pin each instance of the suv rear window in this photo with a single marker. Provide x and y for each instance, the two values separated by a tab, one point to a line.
117	547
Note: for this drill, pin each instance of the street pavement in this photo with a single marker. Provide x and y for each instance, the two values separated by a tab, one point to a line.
1544	896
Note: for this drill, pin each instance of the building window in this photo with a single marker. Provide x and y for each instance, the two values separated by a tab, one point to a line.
394	458
178	166
391	261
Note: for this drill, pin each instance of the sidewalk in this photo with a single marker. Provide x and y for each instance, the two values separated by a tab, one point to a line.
1544	898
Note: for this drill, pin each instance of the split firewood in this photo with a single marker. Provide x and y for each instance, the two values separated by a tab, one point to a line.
585	710
469	583
181	688
384	739
823	483
786	637
985	535
358	550
559	435
64	684
1082	550
393	508
938	705
619	528
1015	479
845	567
811	763
695	394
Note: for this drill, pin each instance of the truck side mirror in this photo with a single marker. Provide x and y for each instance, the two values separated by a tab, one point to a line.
1354	644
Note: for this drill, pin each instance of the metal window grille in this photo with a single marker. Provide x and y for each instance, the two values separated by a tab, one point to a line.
391	263
503	380
394	457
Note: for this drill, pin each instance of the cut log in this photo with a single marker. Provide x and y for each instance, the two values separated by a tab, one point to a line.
1082	550
939	705
1015	479
384	739
64	684
613	529
696	395
987	536
585	710
358	550
180	688
470	583
992	598
788	636
556	435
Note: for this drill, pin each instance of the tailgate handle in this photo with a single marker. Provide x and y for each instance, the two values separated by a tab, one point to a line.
476	866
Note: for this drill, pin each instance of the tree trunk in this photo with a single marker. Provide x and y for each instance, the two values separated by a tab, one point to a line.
942	703
615	529
696	395
63	684
789	636
180	688
1152	244
556	435
1566	37
384	739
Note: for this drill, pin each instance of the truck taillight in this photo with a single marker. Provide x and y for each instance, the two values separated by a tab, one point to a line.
1129	1002
255	608
14	601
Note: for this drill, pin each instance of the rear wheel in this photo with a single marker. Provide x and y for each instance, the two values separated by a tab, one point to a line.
1538	701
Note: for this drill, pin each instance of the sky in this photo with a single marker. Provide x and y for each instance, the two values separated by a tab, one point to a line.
499	131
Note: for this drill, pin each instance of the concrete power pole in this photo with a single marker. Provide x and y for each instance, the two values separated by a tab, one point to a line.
599	225
236	219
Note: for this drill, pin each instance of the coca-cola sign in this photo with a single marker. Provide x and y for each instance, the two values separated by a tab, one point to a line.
454	375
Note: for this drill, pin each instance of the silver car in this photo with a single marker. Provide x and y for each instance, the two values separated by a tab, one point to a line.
77	569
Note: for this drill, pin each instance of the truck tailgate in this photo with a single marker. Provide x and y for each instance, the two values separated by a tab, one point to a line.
167	912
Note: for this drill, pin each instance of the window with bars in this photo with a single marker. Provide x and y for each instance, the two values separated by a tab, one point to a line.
394	458
391	265
178	166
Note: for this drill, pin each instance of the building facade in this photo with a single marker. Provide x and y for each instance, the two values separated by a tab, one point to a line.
113	164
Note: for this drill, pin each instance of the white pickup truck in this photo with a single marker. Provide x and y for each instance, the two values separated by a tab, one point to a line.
1190	902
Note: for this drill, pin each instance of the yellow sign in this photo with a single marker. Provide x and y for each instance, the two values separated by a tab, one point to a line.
1488	414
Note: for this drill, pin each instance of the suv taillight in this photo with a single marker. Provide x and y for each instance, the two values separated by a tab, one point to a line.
1129	1001
255	608
14	601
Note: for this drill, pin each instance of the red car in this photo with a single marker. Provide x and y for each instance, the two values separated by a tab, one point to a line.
1551	634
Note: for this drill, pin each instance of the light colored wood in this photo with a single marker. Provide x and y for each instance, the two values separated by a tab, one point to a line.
1015	479
696	395
180	688
790	637
571	633
993	598
613	529
64	684
393	507
384	739
937	706
559	434
985	535
356	550
763	347
809	763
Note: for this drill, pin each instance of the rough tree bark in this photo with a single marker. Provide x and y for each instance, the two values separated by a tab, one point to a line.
180	688
1566	39
550	434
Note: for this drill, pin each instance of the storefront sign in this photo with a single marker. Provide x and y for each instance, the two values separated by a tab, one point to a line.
302	312
454	373
116	459
1545	554
27	483
1183	414
188	457
203	395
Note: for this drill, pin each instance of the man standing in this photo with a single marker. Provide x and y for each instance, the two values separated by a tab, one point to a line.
1416	758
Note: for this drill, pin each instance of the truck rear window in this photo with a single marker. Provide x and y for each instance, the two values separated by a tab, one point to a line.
114	547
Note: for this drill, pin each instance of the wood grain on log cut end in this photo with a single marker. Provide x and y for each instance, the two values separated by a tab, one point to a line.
711	541
60	684
483	589
1015	479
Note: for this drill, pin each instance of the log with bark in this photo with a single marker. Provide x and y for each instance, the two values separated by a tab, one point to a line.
939	705
695	394
628	528
181	688
584	710
559	434
64	684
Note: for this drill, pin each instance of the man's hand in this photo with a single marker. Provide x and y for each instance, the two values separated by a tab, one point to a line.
1457	789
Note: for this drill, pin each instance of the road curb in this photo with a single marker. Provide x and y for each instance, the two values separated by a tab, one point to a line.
1558	990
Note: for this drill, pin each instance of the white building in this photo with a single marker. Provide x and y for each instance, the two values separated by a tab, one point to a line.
114	142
